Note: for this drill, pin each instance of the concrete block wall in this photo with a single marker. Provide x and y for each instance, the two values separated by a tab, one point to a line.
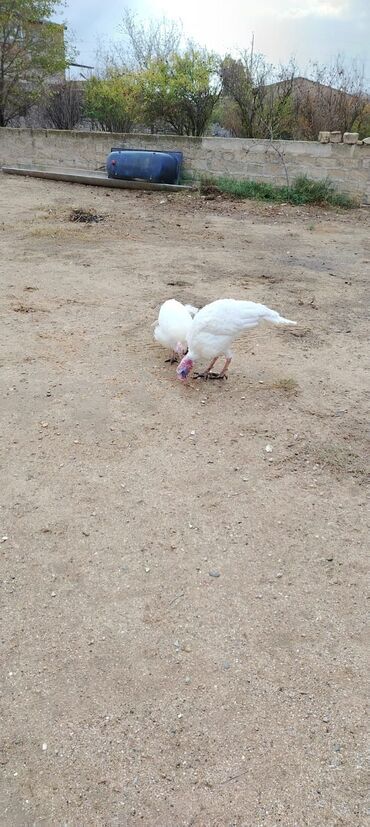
348	166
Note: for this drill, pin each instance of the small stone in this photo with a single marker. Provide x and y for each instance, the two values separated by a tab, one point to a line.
279	574
147	569
53	594
214	573
44	747
335	137
4	538
268	449
44	424
85	533
326	719
350	138
179	715
324	137
192	433
226	665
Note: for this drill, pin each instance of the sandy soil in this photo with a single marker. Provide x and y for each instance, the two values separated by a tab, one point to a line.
138	688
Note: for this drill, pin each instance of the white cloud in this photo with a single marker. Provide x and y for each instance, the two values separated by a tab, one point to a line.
320	8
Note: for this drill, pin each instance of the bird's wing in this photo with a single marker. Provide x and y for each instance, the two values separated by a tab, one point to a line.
226	317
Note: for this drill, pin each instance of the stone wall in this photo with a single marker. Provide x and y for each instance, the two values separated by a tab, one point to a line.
347	166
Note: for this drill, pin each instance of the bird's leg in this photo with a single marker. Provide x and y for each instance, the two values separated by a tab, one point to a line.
206	373
223	374
172	359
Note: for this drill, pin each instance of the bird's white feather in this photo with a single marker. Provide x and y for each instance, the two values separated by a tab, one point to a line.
172	326
192	310
216	325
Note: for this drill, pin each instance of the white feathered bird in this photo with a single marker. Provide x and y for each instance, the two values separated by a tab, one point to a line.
216	326
172	327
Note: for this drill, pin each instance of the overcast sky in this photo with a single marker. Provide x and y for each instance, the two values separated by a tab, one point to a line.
306	29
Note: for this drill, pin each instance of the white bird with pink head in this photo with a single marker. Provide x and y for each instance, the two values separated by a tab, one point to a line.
215	327
172	327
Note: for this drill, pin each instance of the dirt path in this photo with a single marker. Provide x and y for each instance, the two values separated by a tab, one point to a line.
138	688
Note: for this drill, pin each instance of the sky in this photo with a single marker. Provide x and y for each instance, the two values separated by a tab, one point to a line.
304	29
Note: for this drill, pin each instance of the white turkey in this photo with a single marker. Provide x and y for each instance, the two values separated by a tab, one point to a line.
172	327
216	326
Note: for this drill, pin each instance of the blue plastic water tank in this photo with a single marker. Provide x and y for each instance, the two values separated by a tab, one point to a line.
145	165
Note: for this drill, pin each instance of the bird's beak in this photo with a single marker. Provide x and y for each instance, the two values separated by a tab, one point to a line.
182	373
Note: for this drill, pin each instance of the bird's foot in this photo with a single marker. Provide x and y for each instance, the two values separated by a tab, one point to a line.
172	360
204	375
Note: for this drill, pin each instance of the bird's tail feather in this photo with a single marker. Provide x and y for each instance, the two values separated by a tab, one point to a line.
275	318
281	320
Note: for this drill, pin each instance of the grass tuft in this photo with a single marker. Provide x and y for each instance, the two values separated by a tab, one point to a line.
302	191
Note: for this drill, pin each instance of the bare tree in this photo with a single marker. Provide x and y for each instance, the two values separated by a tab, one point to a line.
157	40
276	116
140	44
334	98
64	105
261	92
244	81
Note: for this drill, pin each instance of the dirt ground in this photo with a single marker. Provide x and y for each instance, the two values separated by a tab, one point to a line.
182	635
